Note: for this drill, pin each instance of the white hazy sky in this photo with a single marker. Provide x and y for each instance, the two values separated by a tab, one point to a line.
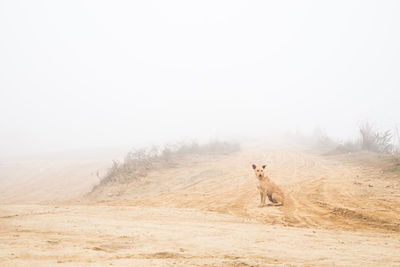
81	74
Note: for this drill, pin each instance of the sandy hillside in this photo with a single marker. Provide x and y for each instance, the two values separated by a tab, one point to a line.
340	210
54	176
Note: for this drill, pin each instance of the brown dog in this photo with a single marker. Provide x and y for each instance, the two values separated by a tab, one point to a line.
268	188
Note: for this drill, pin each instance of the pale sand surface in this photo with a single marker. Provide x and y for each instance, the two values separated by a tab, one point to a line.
203	212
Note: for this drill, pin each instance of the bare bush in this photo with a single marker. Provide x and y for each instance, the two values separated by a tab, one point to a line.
139	162
346	147
321	140
396	140
372	140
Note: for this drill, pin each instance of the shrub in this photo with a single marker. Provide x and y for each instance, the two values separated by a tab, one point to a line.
322	141
369	140
396	141
372	140
139	162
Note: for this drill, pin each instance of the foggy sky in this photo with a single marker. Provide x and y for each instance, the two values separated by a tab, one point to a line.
82	74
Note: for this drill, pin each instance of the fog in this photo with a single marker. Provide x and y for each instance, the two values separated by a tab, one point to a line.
91	74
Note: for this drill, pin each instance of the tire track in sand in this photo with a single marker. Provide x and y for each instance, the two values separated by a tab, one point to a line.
319	191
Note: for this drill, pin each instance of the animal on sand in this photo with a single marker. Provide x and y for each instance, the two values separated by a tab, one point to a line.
268	188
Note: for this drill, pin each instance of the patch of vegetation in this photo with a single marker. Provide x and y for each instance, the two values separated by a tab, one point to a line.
374	141
371	140
140	162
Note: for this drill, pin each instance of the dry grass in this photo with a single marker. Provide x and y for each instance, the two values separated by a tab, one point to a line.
321	141
140	162
371	140
396	140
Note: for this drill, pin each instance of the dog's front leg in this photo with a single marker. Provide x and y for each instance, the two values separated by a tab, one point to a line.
262	199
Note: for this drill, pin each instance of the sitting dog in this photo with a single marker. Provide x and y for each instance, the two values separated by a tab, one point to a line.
268	188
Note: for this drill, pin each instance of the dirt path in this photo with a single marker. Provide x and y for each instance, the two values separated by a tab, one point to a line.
204	212
321	192
136	236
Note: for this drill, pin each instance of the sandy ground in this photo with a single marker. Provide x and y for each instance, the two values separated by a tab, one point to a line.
340	210
57	176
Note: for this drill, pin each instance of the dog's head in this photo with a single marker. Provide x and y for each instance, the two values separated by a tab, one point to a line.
259	171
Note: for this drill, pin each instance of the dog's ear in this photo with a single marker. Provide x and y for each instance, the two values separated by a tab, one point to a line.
254	166
264	166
